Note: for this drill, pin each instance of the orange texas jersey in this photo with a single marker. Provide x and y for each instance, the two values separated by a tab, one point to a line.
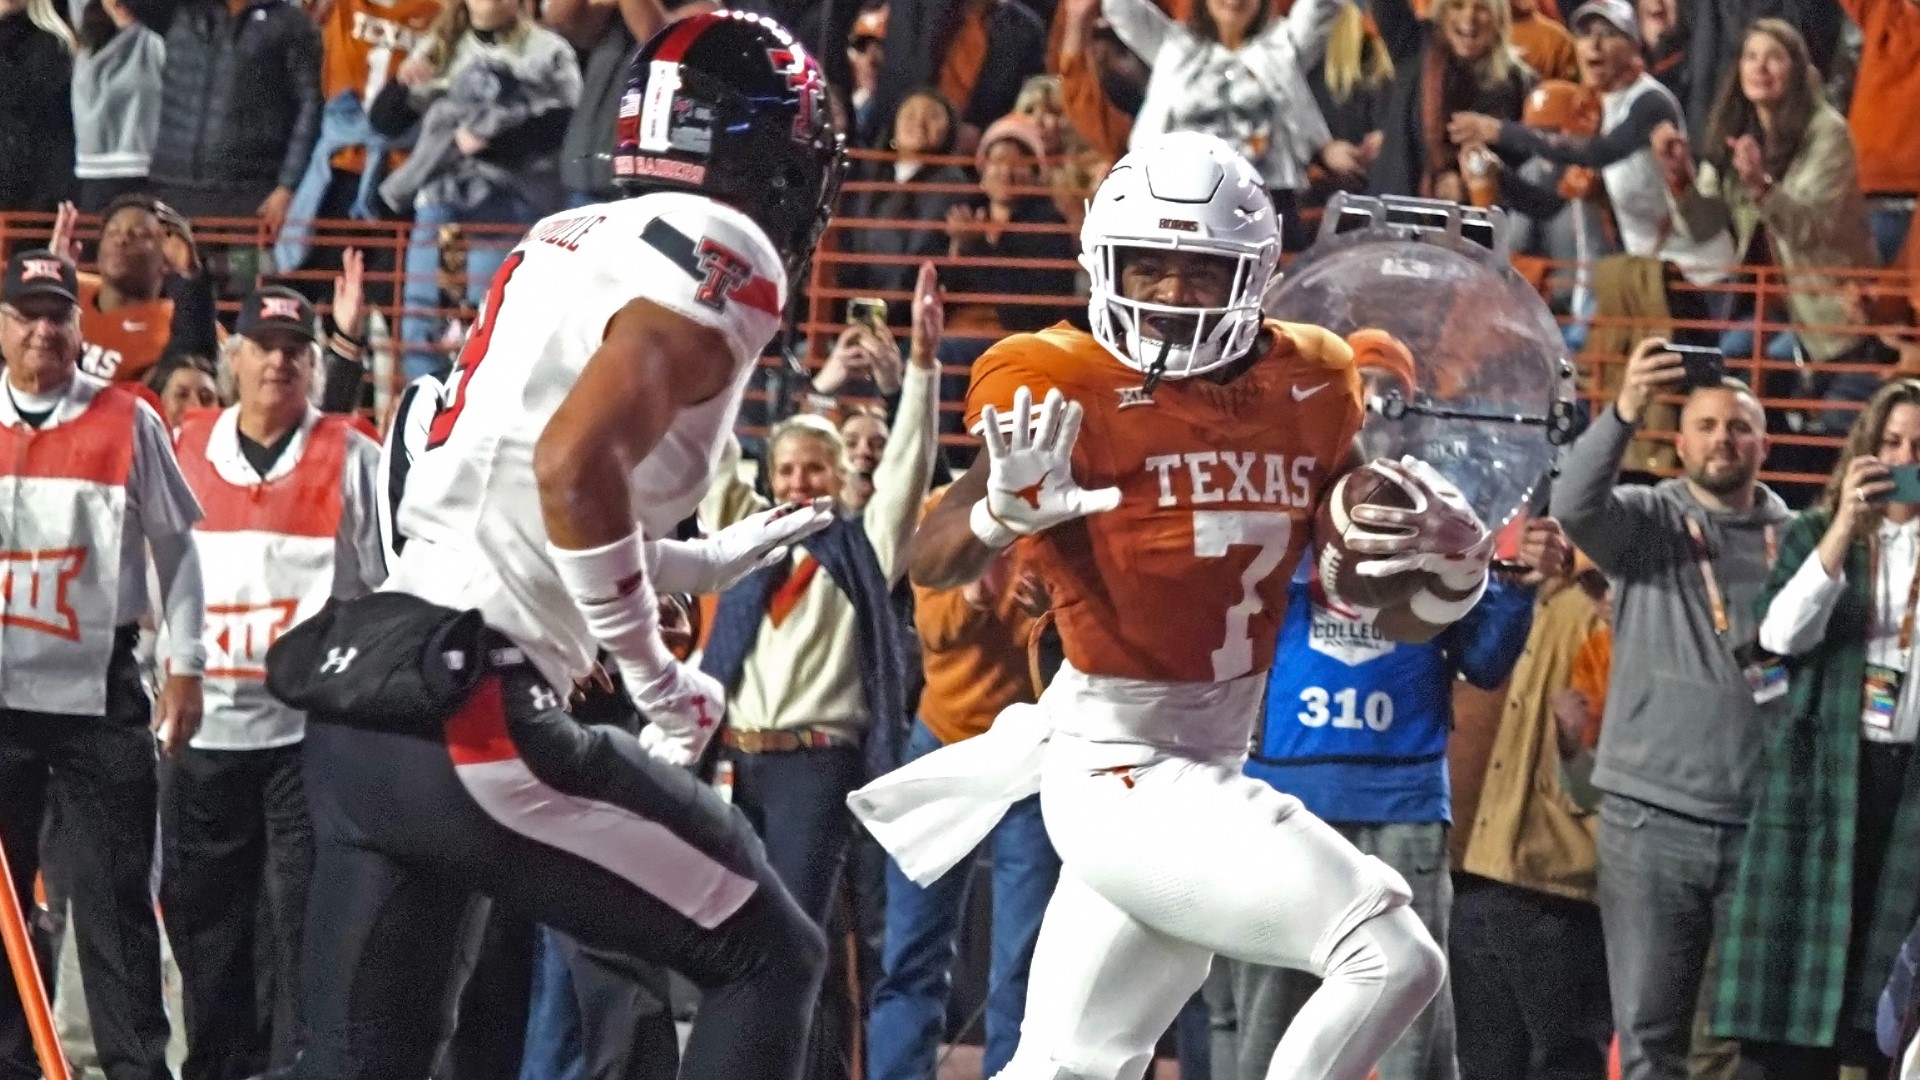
1187	579
124	344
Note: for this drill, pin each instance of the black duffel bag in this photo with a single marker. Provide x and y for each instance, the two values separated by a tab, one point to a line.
389	661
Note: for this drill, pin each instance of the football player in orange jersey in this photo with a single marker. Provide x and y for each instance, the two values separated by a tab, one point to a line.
1164	488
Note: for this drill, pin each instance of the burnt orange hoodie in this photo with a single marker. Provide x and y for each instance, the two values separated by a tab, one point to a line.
1886	94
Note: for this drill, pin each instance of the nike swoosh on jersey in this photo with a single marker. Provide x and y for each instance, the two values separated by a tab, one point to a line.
756	292
1300	394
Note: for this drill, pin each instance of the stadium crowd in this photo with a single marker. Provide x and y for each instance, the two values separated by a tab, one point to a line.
1656	795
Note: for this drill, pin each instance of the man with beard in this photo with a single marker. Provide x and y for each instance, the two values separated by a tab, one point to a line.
1691	696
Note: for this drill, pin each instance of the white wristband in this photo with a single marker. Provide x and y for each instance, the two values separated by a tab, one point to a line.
609	585
991	530
1462	575
1434	611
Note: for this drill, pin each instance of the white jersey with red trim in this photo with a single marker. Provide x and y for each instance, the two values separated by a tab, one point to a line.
471	510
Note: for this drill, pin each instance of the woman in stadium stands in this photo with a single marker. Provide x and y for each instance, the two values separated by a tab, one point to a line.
1460	59
1234	71
925	127
1829	878
1781	174
482	157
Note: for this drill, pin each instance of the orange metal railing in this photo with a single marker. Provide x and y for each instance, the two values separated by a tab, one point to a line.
828	286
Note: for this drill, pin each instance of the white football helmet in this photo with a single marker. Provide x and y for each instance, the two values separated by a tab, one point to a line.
1183	191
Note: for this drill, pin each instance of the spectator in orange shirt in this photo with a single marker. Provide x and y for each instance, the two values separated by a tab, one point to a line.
363	43
974	643
1093	65
1886	94
1543	43
150	298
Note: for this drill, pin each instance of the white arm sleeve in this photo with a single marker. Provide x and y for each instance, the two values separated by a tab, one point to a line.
906	469
1140	26
1797	618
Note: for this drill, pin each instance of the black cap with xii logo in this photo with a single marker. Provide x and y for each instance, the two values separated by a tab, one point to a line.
39	272
276	307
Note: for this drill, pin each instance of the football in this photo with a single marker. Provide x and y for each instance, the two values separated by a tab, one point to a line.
1334	528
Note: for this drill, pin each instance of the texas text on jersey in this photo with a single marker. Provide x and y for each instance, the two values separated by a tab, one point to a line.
1187	579
471	511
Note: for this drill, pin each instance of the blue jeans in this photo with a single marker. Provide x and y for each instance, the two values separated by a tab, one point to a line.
1890	229
1665	886
923	926
554	1049
421	295
343	123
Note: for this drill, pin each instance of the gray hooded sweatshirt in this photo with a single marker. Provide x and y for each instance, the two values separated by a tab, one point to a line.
1681	729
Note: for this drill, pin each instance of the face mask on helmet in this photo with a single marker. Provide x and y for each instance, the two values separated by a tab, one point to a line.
1174	313
1180	243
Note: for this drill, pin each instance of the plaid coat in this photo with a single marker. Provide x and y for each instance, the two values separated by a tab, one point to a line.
1783	953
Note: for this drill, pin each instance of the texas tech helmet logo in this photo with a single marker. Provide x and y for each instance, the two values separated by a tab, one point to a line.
804	76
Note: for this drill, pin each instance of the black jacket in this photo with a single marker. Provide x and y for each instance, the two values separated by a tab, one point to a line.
1402	161
36	117
241	101
917	35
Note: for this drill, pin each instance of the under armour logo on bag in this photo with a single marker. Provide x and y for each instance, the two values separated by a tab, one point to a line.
543	698
337	660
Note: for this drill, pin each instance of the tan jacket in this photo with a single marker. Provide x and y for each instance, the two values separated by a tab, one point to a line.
1525	831
1815	217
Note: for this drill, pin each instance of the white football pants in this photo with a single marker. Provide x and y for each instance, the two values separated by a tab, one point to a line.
1169	860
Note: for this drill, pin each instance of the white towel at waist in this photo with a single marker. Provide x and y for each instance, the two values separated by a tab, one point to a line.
931	813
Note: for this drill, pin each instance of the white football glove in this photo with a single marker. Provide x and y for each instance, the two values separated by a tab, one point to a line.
683	708
1030	485
714	563
1440	534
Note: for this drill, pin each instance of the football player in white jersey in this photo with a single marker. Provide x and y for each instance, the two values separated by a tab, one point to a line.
582	421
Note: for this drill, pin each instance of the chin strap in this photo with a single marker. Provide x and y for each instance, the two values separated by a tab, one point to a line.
1157	368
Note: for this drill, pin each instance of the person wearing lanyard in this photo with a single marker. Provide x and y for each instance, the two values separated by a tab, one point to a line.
1689	703
1829	880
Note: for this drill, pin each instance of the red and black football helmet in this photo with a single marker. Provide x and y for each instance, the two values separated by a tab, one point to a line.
730	105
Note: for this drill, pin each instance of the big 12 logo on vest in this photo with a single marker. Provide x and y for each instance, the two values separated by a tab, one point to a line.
33	590
239	635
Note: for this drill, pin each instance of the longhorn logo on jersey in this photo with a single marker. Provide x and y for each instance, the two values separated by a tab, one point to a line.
241	634
33	590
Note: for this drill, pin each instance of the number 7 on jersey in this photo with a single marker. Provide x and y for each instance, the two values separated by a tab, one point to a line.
1216	531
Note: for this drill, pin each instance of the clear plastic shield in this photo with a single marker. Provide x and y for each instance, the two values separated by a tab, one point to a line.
1489	401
